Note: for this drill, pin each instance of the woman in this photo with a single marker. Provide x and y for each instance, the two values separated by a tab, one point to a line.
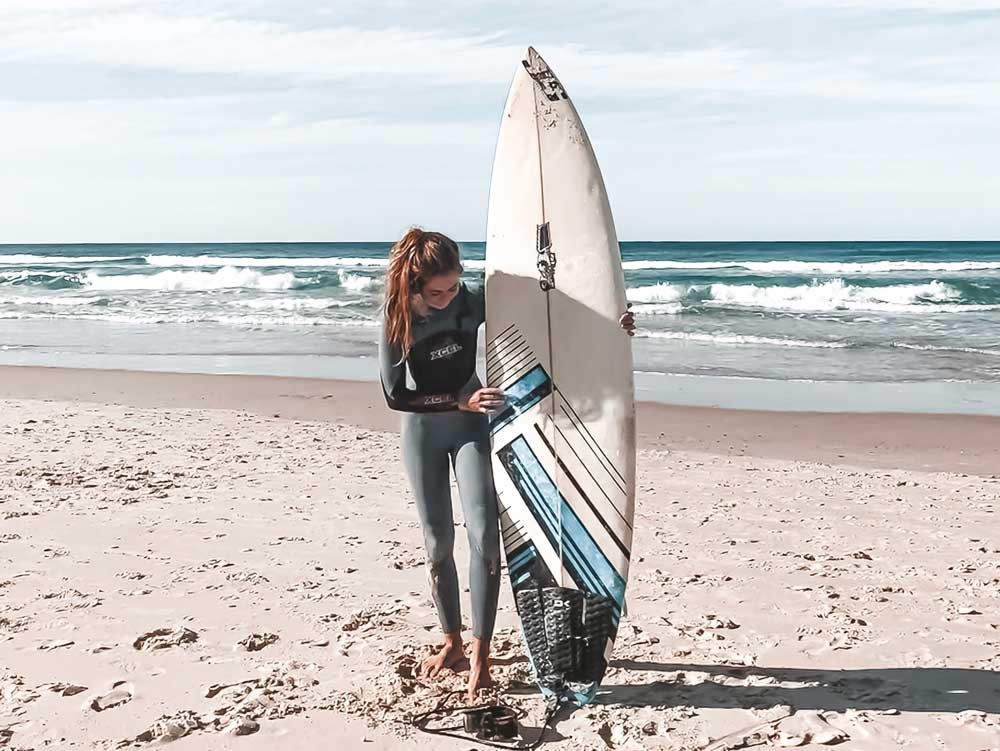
430	324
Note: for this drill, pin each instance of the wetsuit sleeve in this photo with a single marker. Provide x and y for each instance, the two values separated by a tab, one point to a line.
392	373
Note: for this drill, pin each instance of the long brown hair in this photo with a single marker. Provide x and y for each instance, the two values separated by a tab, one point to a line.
416	257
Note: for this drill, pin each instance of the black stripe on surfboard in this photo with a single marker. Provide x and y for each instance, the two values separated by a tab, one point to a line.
501	359
496	370
506	348
566	404
578	423
507	521
515	540
600	517
496	341
591	475
511	530
508	527
501	335
509	367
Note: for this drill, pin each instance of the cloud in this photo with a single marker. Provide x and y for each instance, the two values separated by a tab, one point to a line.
228	119
200	44
205	44
227	138
933	6
65	8
764	154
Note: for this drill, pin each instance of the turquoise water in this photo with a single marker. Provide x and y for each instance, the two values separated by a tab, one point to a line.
862	312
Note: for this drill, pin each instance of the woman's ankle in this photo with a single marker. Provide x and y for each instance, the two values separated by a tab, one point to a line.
480	646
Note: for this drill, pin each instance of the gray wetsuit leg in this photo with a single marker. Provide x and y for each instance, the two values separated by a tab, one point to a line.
432	442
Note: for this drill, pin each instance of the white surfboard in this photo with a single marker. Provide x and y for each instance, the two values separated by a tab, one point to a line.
564	445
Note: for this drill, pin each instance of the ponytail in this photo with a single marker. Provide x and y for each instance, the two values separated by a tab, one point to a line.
416	257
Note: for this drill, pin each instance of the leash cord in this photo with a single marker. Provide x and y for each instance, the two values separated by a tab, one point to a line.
420	722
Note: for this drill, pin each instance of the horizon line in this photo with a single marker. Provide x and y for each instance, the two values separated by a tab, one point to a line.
483	242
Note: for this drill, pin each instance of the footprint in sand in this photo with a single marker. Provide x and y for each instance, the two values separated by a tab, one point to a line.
64	689
55	644
979	720
170	728
162	638
121	692
808	728
256	642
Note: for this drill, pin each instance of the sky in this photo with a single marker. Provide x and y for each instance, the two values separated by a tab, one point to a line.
305	120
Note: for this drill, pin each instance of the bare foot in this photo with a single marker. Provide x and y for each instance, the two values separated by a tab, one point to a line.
479	668
451	654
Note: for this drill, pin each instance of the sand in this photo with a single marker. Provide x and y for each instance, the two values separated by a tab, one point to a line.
235	562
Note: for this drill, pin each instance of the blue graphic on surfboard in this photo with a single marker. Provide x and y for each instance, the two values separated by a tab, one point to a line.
563	449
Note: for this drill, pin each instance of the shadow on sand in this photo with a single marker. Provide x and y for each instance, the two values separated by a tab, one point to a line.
903	689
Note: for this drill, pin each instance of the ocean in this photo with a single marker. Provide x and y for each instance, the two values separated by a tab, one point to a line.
807	325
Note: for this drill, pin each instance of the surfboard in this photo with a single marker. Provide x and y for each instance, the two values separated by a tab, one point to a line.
563	445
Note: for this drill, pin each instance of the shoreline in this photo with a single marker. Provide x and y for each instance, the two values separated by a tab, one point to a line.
892	440
734	392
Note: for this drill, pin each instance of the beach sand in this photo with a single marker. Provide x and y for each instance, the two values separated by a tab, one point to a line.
241	556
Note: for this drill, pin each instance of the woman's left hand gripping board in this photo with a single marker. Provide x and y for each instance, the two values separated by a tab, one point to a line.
627	321
485	400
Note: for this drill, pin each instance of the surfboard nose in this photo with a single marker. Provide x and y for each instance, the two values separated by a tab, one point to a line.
533	60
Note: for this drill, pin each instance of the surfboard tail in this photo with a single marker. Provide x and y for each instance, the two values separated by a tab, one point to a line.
567	632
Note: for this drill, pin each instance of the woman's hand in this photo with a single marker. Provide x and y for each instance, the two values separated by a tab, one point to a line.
484	400
627	321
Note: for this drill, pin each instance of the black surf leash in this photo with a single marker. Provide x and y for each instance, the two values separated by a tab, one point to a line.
486	723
